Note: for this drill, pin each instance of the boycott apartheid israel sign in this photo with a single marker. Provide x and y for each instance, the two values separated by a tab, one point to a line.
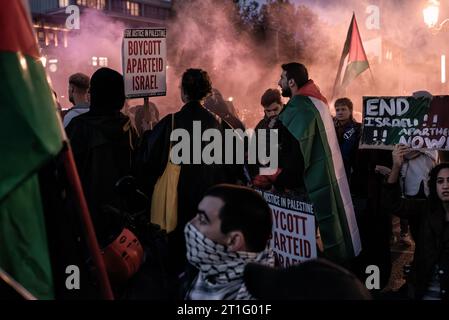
293	238
144	60
420	123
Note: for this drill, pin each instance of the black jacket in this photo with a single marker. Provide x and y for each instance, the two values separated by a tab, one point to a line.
348	136
103	146
290	159
194	179
432	244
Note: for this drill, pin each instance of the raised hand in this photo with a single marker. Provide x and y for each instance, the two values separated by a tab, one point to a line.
398	154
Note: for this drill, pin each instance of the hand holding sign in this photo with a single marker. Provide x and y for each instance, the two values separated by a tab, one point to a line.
399	151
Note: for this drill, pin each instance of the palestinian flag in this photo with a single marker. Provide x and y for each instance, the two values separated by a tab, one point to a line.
30	135
353	59
308	119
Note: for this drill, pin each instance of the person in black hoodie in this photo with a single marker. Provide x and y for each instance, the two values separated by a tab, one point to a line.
102	141
194	179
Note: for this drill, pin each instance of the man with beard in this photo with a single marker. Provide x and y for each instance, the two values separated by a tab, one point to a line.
78	95
307	118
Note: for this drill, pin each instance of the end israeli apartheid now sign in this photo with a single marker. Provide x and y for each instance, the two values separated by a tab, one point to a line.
294	235
144	60
420	123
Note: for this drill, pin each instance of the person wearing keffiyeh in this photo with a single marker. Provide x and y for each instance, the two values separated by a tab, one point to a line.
231	229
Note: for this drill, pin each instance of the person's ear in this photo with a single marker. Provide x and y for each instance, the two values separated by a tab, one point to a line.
184	96
236	241
291	83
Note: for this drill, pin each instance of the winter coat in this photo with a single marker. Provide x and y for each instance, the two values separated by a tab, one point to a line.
348	136
194	179
432	245
103	146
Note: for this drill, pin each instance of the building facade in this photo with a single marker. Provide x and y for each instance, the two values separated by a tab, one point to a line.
58	39
49	16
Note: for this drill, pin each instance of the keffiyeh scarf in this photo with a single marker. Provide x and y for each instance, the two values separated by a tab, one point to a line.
221	271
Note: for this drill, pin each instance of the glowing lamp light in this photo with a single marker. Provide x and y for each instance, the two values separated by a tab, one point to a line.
23	62
53	67
43	60
230	99
443	68
431	13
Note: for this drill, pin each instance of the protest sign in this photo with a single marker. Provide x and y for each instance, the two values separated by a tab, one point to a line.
144	60
420	123
293	238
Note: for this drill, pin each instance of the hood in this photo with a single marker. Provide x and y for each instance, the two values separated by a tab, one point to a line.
310	89
107	91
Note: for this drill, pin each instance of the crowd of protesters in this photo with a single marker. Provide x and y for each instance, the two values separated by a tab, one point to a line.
211	240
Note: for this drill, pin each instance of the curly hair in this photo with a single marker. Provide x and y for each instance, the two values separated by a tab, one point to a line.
196	84
270	96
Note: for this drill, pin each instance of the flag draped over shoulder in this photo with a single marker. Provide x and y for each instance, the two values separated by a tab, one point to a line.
353	59
308	119
30	135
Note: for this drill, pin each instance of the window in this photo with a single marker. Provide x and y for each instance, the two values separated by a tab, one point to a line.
50	38
94	61
41	35
95	4
65	39
103	61
53	65
63	3
132	8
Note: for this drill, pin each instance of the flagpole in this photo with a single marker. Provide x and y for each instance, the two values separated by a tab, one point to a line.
372	77
17	287
357	61
74	181
336	87
83	210
89	231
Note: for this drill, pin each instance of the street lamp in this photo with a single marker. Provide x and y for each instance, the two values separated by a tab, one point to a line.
431	15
